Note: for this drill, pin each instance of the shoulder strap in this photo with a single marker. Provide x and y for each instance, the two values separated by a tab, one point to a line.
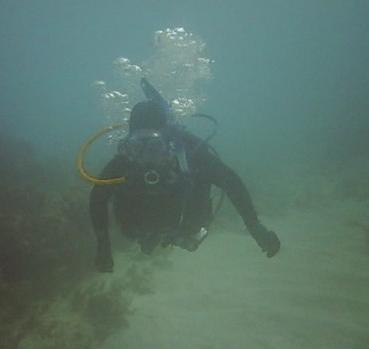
181	156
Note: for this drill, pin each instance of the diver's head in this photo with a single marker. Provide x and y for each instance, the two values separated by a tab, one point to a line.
147	115
147	143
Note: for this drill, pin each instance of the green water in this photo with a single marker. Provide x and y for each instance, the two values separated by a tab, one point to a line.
290	90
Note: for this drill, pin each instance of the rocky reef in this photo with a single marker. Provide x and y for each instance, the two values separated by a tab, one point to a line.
50	295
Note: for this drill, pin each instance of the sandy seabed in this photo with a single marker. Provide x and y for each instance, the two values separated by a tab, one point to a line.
313	294
227	294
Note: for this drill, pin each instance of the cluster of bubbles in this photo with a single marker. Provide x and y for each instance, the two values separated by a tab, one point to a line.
116	108
178	69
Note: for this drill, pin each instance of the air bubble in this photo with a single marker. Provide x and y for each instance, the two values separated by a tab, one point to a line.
178	68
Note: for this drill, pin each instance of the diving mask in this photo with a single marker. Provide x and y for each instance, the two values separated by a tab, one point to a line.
147	148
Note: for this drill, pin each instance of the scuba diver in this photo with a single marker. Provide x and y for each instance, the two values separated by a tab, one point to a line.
163	198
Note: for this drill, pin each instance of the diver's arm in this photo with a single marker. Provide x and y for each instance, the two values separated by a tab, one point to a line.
214	170
225	178
99	199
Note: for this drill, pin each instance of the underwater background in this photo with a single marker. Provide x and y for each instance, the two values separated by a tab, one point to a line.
288	82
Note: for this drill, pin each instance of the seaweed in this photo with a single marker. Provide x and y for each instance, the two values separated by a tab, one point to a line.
82	319
44	243
49	296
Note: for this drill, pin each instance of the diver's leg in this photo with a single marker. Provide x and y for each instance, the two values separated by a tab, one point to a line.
191	242
148	242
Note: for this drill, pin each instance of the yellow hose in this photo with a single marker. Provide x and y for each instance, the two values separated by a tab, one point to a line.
81	157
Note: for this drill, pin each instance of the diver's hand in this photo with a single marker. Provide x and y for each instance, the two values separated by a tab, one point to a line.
104	260
266	239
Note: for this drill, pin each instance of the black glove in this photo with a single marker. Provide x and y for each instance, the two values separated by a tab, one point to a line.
104	260
266	239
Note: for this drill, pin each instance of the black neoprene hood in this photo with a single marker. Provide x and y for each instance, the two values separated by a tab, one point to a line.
147	115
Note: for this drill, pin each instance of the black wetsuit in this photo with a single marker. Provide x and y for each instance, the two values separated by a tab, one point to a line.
181	205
